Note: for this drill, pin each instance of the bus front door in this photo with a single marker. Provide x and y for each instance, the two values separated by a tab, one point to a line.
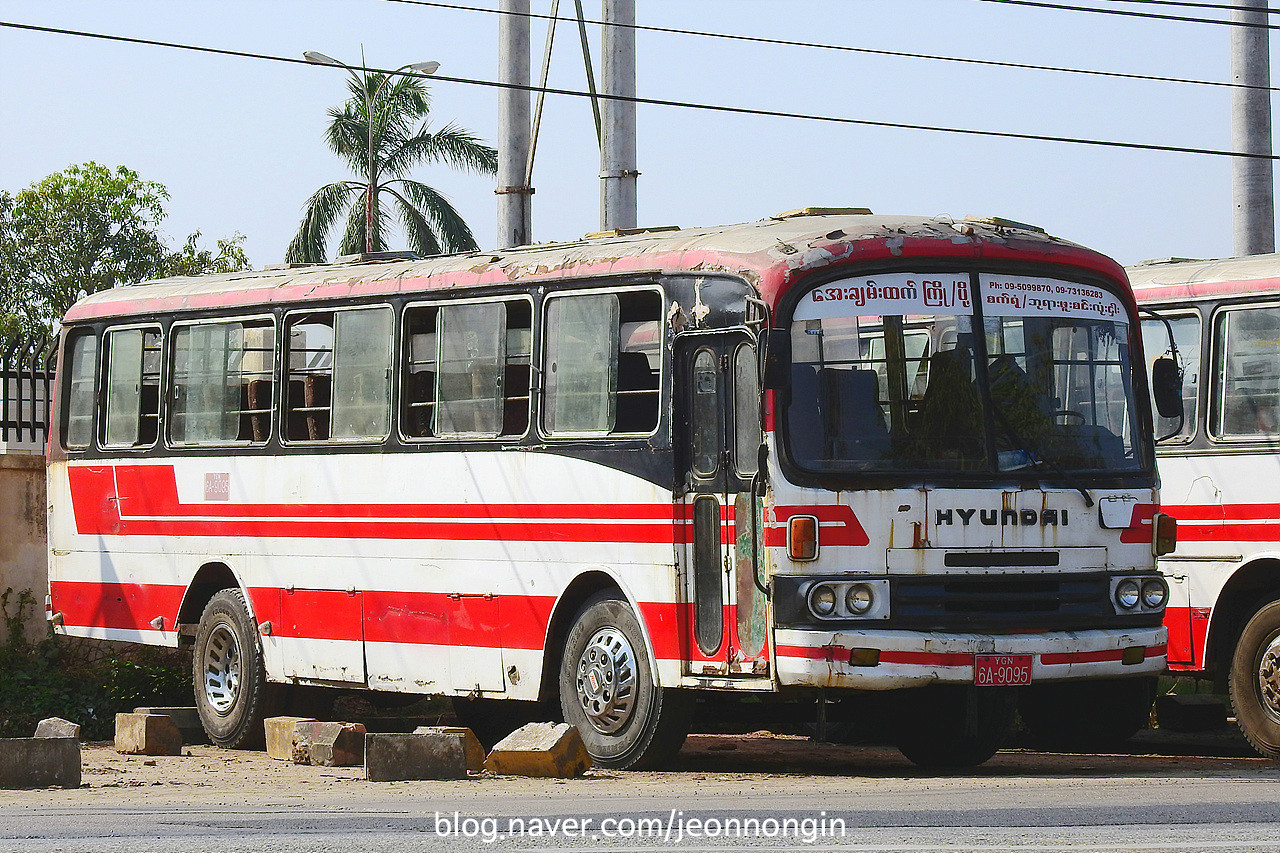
725	631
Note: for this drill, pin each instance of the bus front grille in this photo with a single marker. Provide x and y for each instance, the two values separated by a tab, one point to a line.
1002	602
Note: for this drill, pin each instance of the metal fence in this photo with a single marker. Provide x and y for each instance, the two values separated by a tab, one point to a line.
26	377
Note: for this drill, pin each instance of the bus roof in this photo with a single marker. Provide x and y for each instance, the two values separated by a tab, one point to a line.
769	254
1179	279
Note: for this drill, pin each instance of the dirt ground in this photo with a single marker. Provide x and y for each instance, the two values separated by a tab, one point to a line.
734	764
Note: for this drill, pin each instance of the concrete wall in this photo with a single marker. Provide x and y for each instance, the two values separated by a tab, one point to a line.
24	560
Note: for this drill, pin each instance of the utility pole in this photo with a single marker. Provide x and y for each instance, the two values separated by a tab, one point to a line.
514	202
618	118
1252	191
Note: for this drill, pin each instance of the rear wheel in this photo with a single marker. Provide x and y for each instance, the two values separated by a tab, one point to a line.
948	727
607	690
1086	716
232	693
1255	680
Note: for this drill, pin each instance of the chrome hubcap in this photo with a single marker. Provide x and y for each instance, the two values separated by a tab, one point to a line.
221	669
1269	677
606	682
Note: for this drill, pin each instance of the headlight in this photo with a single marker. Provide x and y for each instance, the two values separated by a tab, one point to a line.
1154	593
822	600
1127	594
859	598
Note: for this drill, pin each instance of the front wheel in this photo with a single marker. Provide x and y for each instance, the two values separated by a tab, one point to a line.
232	693
945	727
1255	680
607	690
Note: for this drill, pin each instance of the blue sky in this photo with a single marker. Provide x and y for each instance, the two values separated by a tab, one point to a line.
238	141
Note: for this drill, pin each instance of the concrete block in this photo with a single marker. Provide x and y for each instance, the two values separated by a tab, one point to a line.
39	762
187	719
540	749
279	732
57	727
437	755
147	734
475	752
1195	712
328	744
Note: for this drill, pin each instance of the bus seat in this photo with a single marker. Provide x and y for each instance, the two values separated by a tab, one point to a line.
853	418
804	415
316	396
950	413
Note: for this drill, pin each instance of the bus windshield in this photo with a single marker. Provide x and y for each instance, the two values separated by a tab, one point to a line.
891	373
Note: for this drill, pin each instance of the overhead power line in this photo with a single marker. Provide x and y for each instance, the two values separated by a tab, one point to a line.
460	7
658	102
1188	4
1130	13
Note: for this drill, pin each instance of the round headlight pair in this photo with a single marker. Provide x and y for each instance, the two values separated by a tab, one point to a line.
1152	592
824	600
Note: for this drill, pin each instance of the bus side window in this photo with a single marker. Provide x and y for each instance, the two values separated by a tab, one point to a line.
581	364
339	375
133	387
516	371
222	383
308	397
1247	373
472	363
603	361
418	394
639	360
1155	343
81	391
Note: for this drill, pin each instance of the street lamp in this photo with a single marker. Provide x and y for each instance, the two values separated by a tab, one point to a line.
370	98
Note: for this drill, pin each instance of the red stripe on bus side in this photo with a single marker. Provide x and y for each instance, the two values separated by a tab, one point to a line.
143	500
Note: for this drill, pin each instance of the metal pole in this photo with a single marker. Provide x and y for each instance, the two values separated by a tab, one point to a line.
514	208
618	147
1252	191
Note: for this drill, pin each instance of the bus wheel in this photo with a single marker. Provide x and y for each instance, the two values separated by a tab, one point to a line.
944	726
1255	680
607	690
1086	716
232	693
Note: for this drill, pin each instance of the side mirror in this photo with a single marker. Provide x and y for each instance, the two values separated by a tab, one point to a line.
1166	387
775	350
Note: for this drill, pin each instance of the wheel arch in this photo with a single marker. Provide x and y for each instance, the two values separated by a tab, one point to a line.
210	579
581	588
1249	588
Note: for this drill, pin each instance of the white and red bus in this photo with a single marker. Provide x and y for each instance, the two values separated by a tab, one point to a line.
1220	466
824	456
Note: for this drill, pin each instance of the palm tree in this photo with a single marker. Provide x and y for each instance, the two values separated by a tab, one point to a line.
382	133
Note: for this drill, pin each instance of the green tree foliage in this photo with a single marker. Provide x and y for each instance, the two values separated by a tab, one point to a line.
86	229
393	110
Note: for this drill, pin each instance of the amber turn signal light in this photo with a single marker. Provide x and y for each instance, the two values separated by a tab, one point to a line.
1166	534
802	538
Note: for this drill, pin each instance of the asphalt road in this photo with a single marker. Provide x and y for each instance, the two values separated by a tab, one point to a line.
727	793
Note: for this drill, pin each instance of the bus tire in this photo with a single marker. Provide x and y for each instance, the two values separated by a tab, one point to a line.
1255	680
944	726
1086	716
232	693
607	690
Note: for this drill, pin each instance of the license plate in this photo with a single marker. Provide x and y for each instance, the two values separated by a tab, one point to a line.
1001	670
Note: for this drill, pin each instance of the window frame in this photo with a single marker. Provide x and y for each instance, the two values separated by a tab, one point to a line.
170	386
104	357
405	352
1215	399
73	337
1192	426
662	374
284	351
